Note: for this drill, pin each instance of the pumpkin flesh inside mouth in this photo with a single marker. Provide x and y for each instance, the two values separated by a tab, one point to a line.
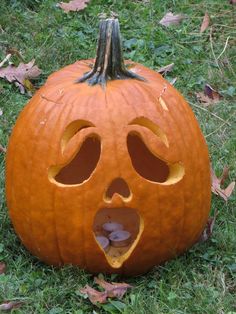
117	232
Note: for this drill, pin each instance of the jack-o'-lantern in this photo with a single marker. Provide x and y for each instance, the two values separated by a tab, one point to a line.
107	168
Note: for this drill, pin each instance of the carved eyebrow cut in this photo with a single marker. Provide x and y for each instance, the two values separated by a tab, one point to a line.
147	123
73	128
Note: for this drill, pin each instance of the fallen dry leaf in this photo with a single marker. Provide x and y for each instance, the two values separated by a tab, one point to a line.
171	19
209	96
94	295
2	268
2	149
205	23
212	93
74	5
205	100
114	289
111	290
166	68
8	306
207	232
21	74
217	182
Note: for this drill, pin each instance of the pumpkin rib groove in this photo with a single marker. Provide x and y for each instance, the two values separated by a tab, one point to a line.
181	112
54	193
176	116
183	210
196	143
204	192
38	110
13	159
195	132
55	122
35	111
38	135
64	114
152	92
167	120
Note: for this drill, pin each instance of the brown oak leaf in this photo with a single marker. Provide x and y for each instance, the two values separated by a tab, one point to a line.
217	182
10	305
171	19
114	289
111	290
94	295
205	23
2	268
209	96
74	5
21	74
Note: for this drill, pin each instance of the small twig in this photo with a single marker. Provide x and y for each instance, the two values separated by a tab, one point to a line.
193	41
211	113
223	25
226	44
212	50
6	59
217	129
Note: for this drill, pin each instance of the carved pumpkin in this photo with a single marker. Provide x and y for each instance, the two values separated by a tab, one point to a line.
107	170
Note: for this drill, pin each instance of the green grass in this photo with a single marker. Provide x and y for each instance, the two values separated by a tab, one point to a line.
204	279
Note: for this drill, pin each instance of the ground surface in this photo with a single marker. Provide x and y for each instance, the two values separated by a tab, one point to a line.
204	279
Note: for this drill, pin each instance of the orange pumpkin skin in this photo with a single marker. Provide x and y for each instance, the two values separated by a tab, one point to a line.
55	221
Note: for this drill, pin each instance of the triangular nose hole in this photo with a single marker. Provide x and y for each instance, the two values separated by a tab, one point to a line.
119	186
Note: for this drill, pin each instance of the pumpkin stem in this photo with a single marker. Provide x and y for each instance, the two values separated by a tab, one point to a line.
109	63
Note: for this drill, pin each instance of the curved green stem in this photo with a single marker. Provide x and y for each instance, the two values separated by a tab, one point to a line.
109	63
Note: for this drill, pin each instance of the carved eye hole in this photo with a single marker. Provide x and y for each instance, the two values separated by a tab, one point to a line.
82	164
145	162
148	165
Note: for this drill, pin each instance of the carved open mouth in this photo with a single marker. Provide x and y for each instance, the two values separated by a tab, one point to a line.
117	232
